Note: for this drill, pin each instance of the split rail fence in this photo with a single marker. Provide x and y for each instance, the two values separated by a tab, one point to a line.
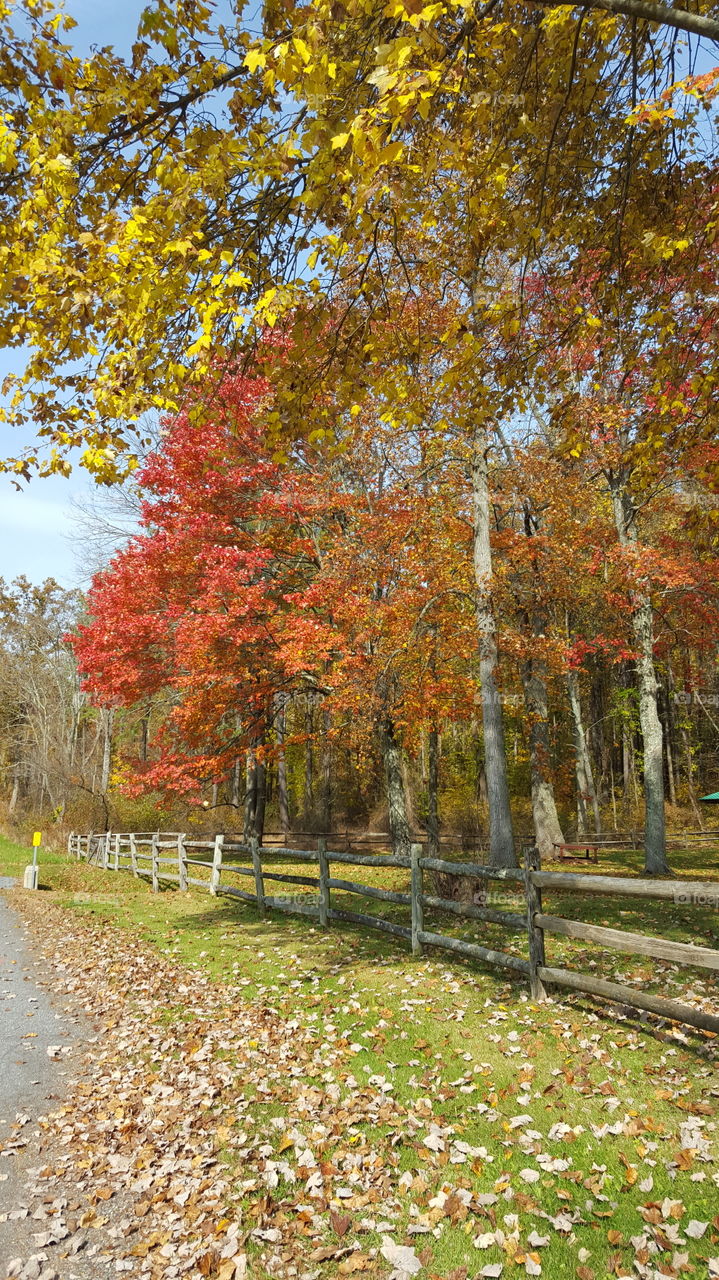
173	857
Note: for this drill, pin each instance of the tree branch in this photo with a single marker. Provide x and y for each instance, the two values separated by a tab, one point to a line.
663	14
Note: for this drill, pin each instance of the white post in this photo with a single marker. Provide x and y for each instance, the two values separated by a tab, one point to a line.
536	934
182	862
155	878
133	854
259	882
216	865
417	904
324	887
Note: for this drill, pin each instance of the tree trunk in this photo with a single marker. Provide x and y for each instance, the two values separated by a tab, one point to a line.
282	796
250	796
626	762
15	792
309	799
400	833
598	745
586	790
667	727
547	827
613	795
432	794
501	836
689	758
325	814
235	780
255	796
680	723
108	717
260	798
655	847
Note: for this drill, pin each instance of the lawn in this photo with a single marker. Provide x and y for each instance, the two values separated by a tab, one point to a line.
15	857
562	1138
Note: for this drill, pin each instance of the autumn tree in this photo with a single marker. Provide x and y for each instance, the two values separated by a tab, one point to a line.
354	160
201	607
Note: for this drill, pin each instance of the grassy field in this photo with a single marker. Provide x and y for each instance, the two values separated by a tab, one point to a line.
589	1136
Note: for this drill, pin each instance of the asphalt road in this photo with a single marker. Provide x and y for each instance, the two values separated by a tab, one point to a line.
31	1079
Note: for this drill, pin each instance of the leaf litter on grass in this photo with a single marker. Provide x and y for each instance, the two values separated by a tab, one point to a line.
279	1136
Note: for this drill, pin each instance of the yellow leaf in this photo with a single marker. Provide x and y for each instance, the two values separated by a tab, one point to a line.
340	140
303	49
255	58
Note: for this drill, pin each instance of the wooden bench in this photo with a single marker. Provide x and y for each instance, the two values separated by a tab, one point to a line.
584	850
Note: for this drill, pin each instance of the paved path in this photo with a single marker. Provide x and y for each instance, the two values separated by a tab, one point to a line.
31	1079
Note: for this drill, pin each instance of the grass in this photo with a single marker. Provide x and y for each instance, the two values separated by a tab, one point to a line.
15	857
472	1042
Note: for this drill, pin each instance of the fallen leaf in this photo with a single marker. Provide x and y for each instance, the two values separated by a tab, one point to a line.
402	1256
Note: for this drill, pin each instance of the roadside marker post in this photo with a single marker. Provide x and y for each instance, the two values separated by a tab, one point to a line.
30	879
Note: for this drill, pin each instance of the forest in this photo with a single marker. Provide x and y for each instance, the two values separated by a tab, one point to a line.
423	303
291	643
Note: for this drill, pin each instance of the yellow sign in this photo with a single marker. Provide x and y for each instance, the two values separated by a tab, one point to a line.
36	838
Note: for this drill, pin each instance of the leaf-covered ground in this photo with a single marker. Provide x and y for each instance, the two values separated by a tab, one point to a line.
270	1101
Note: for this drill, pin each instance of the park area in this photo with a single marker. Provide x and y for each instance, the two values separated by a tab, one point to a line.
264	1098
359	618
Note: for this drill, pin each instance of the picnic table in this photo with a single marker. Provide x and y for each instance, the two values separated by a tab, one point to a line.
584	850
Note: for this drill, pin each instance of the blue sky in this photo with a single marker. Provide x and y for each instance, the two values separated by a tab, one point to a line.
36	525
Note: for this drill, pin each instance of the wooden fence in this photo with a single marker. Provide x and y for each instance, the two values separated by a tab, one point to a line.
173	857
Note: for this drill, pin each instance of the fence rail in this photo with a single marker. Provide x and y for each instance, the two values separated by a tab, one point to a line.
228	857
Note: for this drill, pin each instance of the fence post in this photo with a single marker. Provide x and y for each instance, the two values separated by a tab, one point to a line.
324	887
133	854
117	852
416	894
216	865
182	862
536	935
259	882
106	851
154	850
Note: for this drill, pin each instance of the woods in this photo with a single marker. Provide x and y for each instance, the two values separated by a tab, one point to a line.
294	642
425	298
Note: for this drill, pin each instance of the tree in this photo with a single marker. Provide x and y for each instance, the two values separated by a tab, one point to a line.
156	204
196	609
357	160
49	748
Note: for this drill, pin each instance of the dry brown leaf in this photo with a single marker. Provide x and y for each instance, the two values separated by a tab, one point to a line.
355	1262
208	1262
340	1223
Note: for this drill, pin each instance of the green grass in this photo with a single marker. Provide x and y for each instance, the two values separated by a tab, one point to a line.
471	1041
15	857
